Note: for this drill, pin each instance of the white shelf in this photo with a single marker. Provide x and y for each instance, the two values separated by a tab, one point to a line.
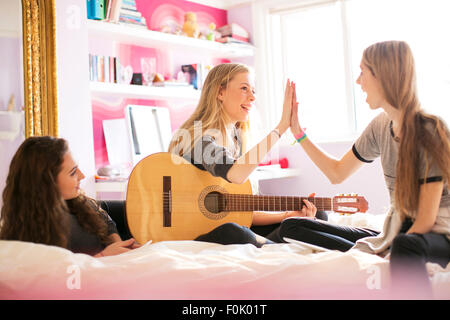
143	92
153	39
260	173
111	186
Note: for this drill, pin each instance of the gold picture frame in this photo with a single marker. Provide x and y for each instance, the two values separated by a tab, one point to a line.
39	63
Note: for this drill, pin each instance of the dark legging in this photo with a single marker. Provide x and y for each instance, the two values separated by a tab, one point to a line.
409	254
323	234
232	233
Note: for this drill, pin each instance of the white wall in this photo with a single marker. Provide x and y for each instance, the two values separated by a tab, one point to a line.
11	80
367	181
74	101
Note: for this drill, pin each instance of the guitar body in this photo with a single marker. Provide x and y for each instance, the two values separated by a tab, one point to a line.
166	198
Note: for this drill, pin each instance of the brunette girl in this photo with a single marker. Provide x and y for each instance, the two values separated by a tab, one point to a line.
43	203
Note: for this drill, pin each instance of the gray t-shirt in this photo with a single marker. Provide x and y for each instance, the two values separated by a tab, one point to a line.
378	140
212	157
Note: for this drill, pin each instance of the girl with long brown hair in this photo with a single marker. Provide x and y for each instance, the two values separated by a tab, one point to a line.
415	155
43	203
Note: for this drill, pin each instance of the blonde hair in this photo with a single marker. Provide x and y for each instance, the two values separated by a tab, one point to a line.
210	113
392	63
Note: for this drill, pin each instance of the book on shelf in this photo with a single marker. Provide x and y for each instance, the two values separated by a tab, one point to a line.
130	13
130	8
115	10
234	30
133	21
100	69
233	39
131	3
197	73
96	9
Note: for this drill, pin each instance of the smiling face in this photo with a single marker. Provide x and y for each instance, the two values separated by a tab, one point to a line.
238	97
69	178
371	86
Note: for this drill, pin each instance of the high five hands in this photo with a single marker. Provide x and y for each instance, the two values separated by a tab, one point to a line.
289	117
296	129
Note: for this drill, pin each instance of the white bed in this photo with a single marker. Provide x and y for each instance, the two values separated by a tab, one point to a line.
197	270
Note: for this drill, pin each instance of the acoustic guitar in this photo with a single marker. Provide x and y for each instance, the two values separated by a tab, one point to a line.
168	198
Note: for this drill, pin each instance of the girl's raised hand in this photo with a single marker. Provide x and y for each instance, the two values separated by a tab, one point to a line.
295	124
287	108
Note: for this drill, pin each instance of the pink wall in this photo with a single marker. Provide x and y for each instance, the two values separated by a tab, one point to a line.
156	13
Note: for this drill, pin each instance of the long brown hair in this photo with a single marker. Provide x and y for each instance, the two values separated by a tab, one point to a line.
33	208
210	112
392	63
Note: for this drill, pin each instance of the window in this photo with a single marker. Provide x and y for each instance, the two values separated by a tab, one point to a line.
321	46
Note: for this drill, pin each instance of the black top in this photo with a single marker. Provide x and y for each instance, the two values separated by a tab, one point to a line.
82	241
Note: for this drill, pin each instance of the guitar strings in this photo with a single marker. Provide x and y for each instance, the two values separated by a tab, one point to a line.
236	202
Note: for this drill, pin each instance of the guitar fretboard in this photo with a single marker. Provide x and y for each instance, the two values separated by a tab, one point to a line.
245	202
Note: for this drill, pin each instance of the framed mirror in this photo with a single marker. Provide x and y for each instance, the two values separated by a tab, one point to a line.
39	67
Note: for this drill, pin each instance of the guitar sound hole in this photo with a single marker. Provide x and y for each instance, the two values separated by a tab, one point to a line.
214	202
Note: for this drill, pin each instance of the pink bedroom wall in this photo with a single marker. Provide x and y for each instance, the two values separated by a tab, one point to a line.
168	64
158	12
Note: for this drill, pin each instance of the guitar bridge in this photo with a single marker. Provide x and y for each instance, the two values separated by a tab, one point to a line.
167	201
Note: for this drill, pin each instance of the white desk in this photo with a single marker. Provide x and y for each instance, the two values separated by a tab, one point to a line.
111	190
274	172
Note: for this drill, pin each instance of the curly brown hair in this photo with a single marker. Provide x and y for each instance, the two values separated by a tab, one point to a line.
33	208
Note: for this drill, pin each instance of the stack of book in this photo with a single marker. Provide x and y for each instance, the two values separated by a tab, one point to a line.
233	33
104	68
117	11
129	14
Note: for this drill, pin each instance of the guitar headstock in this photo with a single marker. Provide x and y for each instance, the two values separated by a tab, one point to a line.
349	203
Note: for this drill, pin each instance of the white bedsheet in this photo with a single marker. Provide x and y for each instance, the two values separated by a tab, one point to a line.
198	270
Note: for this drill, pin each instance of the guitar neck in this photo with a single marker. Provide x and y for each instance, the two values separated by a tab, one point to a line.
244	202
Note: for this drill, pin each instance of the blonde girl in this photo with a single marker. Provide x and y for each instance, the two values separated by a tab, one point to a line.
214	138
